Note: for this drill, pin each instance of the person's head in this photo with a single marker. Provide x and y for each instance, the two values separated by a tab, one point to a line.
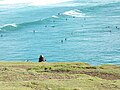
41	56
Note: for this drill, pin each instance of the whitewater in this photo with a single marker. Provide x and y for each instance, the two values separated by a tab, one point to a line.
61	30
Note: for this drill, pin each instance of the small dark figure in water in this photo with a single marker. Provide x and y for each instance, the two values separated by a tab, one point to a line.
1	35
108	27
61	41
110	31
72	33
58	13
117	27
53	26
42	59
65	39
45	25
33	31
66	19
73	16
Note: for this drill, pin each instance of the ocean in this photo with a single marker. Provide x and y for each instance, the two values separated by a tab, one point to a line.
61	30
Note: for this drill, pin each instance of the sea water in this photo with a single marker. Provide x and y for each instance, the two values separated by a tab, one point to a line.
61	30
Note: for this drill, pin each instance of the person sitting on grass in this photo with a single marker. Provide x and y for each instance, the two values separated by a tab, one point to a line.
42	59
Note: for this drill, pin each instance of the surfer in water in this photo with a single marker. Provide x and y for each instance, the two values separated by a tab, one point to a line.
61	41
33	31
73	16
58	13
1	35
65	39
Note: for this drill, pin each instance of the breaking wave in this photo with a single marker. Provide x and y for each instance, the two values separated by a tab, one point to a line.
74	13
13	26
32	2
8	27
55	16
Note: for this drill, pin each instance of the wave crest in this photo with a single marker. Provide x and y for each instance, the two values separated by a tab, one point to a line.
33	2
8	27
74	13
54	16
12	25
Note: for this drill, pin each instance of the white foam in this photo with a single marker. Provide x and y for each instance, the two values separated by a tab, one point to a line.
47	2
75	13
33	2
13	25
4	2
55	16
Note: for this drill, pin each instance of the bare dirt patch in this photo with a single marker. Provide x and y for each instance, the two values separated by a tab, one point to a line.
102	75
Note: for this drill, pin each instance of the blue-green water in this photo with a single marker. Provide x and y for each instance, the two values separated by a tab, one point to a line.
72	31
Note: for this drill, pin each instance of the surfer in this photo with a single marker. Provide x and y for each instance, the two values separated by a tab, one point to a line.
65	39
53	26
33	31
73	16
110	31
117	27
61	41
108	27
58	13
71	33
1	35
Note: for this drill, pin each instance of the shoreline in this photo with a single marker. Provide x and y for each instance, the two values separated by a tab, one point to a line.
28	61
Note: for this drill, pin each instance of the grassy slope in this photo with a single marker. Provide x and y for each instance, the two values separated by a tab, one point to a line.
58	76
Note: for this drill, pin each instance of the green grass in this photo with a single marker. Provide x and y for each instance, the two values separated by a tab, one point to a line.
58	76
